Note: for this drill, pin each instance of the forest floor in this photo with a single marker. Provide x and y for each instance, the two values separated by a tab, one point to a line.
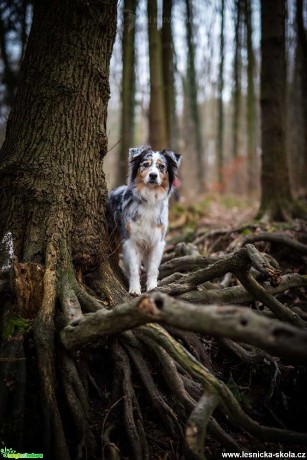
270	391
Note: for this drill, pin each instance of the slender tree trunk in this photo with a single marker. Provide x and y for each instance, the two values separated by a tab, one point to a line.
169	75
237	68
251	102
276	198
220	121
192	89
128	88
9	75
157	118
23	30
302	58
53	199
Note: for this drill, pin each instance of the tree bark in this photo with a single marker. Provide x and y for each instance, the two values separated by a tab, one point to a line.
46	184
276	197
53	197
157	118
128	88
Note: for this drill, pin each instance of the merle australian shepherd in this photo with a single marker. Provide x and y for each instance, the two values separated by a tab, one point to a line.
139	213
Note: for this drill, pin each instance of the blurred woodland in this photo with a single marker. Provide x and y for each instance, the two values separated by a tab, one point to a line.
189	79
214	359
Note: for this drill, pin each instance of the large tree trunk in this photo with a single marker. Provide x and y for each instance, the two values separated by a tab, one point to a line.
53	196
276	198
128	88
157	119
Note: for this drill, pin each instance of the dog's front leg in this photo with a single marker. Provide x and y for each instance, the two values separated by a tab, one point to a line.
152	266
132	261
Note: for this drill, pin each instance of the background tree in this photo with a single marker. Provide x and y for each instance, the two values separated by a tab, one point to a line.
128	87
251	101
169	75
192	93
276	196
157	117
301	62
14	17
237	69
220	122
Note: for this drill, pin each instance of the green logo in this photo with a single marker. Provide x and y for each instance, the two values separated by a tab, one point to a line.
11	453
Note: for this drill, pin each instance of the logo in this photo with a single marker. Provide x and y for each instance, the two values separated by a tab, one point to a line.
11	453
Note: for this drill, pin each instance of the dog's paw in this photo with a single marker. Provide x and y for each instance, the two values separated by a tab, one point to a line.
151	288
134	292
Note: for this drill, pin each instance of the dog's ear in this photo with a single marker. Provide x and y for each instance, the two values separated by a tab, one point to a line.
173	161
134	152
136	155
175	157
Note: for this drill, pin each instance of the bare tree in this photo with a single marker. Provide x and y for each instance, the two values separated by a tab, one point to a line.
192	93
220	121
157	117
251	101
128	87
169	74
276	197
237	69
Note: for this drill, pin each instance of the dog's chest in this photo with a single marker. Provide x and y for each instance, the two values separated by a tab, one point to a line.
147	226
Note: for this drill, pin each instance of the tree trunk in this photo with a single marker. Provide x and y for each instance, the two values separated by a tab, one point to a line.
192	90
237	67
276	198
251	102
9	77
220	122
169	75
157	118
302	57
128	88
53	198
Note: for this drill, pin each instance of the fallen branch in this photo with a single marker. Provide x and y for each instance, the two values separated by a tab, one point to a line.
238	294
277	238
240	324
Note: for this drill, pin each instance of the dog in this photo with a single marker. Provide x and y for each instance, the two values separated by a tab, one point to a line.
139	212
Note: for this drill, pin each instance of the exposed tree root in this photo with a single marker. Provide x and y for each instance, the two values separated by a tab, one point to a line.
133	417
196	428
180	361
44	340
228	404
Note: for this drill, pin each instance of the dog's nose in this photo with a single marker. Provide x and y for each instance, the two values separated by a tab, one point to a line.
153	176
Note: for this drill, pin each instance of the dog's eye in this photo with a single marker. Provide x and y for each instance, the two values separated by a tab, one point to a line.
146	164
161	167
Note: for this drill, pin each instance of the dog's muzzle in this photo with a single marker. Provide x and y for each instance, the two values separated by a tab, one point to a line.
153	178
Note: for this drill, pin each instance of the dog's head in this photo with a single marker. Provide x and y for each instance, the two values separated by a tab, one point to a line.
153	169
